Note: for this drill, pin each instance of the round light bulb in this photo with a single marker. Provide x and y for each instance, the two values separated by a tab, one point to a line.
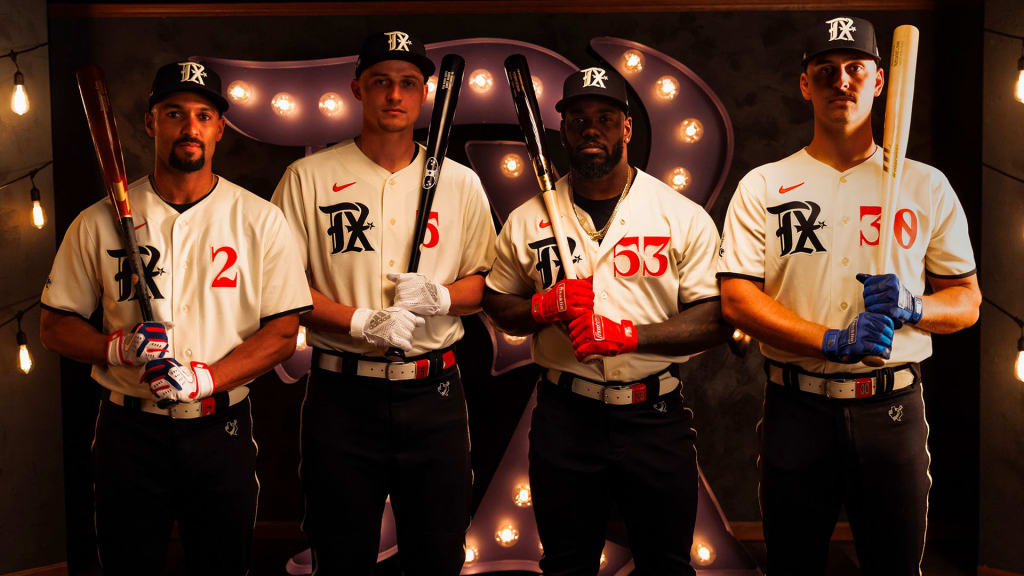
523	497
702	554
24	358
38	216
512	165
283	104
666	87
691	130
538	86
481	81
737	335
331	105
19	98
679	179
506	535
633	60
300	339
431	86
472	554
239	92
514	340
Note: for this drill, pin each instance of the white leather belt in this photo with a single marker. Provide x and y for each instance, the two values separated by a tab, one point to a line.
183	410
842	388
412	370
616	394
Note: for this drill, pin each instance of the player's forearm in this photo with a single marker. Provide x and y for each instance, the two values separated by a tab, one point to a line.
328	315
747	307
466	295
272	344
72	337
510	313
950	309
693	330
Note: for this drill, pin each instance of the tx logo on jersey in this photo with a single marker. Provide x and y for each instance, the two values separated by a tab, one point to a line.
798	222
594	77
192	72
123	276
840	29
547	254
398	41
348	227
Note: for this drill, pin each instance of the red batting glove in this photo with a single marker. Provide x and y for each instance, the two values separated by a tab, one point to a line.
593	334
564	301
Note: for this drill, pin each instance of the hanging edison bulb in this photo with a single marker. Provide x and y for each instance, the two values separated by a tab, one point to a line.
1018	93
19	98
38	216
1020	359
24	356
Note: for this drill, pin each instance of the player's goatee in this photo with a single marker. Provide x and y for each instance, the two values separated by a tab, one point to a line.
184	164
590	169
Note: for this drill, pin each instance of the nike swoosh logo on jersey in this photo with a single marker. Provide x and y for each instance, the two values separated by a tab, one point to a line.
783	189
544	224
342	187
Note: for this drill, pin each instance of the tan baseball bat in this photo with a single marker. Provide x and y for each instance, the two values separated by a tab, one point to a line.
899	103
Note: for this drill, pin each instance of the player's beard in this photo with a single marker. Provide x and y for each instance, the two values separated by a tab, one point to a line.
184	164
590	168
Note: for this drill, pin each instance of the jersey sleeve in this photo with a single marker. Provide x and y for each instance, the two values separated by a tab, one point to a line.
478	231
697	281
949	252
74	282
507	275
284	289
741	253
288	197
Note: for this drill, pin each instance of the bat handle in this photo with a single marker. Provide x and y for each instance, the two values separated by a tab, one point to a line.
394	355
165	404
874	361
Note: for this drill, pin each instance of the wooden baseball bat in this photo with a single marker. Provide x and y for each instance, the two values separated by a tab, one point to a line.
93	88
899	104
446	97
521	83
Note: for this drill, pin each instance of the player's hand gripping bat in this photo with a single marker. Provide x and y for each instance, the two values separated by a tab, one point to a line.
899	103
449	83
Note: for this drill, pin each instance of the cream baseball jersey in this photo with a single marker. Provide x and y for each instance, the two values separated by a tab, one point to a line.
353	222
657	258
216	271
805	230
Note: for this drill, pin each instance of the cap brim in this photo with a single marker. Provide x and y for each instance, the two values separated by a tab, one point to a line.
218	101
561	104
808	58
425	64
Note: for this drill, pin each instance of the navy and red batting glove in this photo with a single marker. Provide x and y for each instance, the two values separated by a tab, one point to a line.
563	302
885	294
595	335
869	334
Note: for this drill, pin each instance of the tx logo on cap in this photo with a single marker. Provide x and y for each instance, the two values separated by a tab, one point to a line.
192	72
594	77
398	41
840	29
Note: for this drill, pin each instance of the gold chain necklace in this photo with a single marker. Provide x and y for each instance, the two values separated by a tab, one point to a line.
598	235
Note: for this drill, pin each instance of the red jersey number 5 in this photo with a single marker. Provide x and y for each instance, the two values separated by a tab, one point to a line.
222	280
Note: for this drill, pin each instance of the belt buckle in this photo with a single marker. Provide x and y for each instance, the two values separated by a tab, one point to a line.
389	366
616	388
828	381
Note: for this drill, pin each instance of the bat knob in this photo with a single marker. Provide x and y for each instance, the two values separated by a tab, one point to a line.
874	361
394	355
165	404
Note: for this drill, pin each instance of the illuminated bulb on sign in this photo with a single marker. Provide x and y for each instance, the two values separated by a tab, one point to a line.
239	92
514	340
330	105
690	130
481	81
472	554
512	165
538	86
737	335
283	104
506	535
633	61
679	179
300	339
19	98
703	554
431	86
604	559
666	87
523	498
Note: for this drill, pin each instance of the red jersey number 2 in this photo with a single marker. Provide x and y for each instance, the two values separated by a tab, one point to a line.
222	280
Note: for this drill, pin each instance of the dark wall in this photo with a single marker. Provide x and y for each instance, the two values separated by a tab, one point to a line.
751	60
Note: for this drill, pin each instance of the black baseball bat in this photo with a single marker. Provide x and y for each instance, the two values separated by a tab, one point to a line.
446	97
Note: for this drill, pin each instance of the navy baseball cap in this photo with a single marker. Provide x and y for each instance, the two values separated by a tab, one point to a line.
394	45
841	33
187	76
594	81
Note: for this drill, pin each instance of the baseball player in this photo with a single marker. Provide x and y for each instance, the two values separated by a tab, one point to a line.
227	291
370	427
798	268
613	429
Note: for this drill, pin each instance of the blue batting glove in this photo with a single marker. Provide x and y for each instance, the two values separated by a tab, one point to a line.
885	294
869	334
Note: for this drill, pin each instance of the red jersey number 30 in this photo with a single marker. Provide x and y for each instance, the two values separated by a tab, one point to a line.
230	256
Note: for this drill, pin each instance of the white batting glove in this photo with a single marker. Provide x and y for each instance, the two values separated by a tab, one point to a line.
386	328
146	341
169	380
420	295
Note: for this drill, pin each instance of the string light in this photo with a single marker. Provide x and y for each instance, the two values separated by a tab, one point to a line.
512	165
38	214
666	87
239	92
331	105
481	81
283	104
1018	88
691	130
507	535
1018	367
633	61
24	354
19	97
